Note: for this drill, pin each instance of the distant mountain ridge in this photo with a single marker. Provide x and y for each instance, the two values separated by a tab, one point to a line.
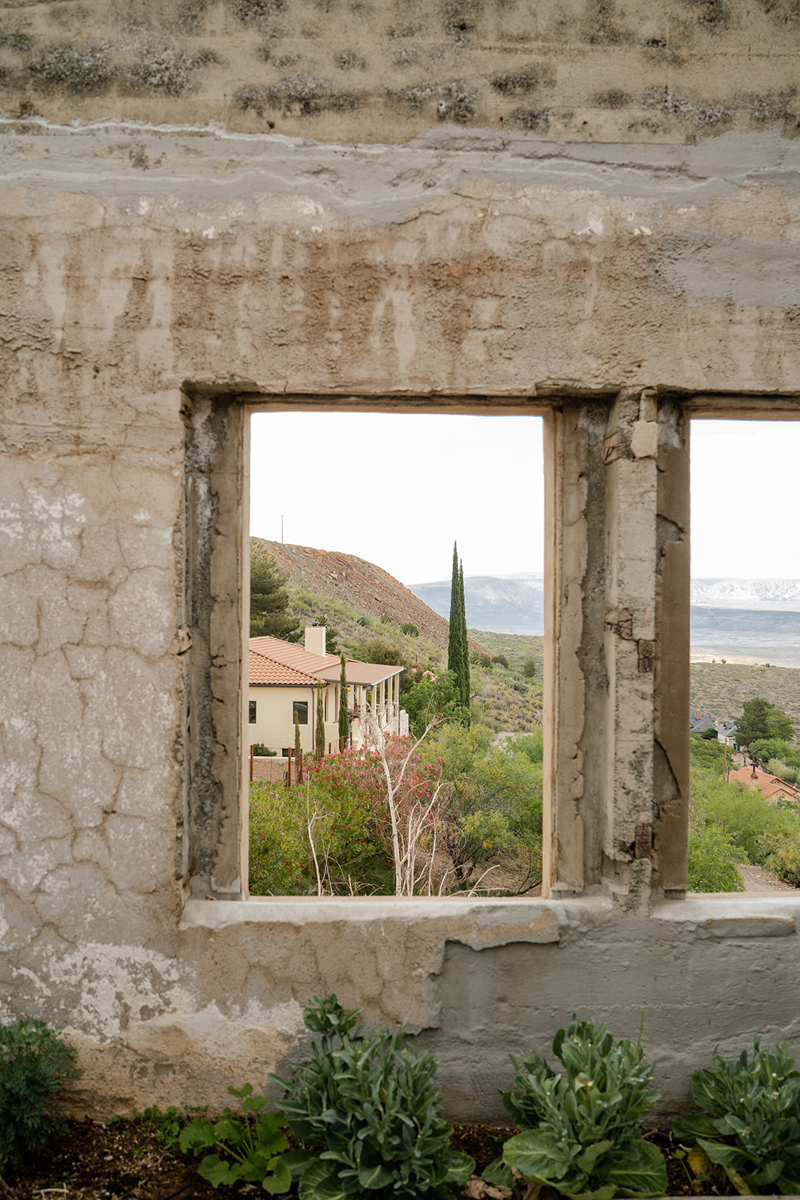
515	604
770	595
501	603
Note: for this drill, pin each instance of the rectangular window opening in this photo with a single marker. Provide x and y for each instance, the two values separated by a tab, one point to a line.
744	720
384	498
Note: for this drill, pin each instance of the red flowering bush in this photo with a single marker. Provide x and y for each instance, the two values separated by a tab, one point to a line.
340	816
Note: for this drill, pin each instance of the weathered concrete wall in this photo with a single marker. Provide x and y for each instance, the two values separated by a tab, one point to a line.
383	70
618	290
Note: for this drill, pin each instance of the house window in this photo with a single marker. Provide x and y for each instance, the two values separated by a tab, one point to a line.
252	711
300	711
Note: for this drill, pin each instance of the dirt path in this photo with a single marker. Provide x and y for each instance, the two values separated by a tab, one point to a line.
757	881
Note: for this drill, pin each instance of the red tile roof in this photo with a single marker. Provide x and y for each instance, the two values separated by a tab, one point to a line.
293	655
266	672
316	666
768	785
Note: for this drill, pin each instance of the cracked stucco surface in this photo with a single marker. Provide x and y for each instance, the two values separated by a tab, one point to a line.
134	259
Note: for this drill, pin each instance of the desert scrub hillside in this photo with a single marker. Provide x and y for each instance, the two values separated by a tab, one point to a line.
719	689
510	696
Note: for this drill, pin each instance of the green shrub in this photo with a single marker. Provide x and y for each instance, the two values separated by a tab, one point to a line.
751	1130
368	1115
532	745
781	770
782	855
433	698
712	861
707	754
495	805
262	751
766	748
251	1142
743	814
34	1061
501	660
579	1131
409	629
347	838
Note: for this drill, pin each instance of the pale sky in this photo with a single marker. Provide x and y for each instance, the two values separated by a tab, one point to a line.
398	490
745	499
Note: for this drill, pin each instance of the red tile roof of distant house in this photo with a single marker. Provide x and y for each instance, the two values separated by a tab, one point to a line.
317	666
293	655
267	672
769	785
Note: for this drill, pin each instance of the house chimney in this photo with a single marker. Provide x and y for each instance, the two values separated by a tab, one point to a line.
315	639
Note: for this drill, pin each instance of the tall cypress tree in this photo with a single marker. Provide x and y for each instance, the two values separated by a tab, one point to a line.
298	751
462	615
457	645
344	720
453	641
319	735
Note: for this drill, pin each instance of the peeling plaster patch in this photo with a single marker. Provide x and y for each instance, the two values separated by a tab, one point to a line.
39	984
11	523
53	523
115	981
218	1032
309	208
594	224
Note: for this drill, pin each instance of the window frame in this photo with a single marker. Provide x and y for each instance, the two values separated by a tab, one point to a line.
211	854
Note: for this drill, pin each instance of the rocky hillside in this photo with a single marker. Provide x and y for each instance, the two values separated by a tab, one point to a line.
358	584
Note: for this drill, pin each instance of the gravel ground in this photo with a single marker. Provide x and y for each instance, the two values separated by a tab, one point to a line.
761	882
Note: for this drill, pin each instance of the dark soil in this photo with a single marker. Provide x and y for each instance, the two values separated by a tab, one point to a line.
126	1161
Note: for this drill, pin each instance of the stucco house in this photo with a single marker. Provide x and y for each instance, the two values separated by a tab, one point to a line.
283	680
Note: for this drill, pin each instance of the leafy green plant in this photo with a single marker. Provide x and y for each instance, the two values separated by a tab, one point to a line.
368	1115
250	1141
263	751
34	1062
579	1131
749	1126
164	1124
